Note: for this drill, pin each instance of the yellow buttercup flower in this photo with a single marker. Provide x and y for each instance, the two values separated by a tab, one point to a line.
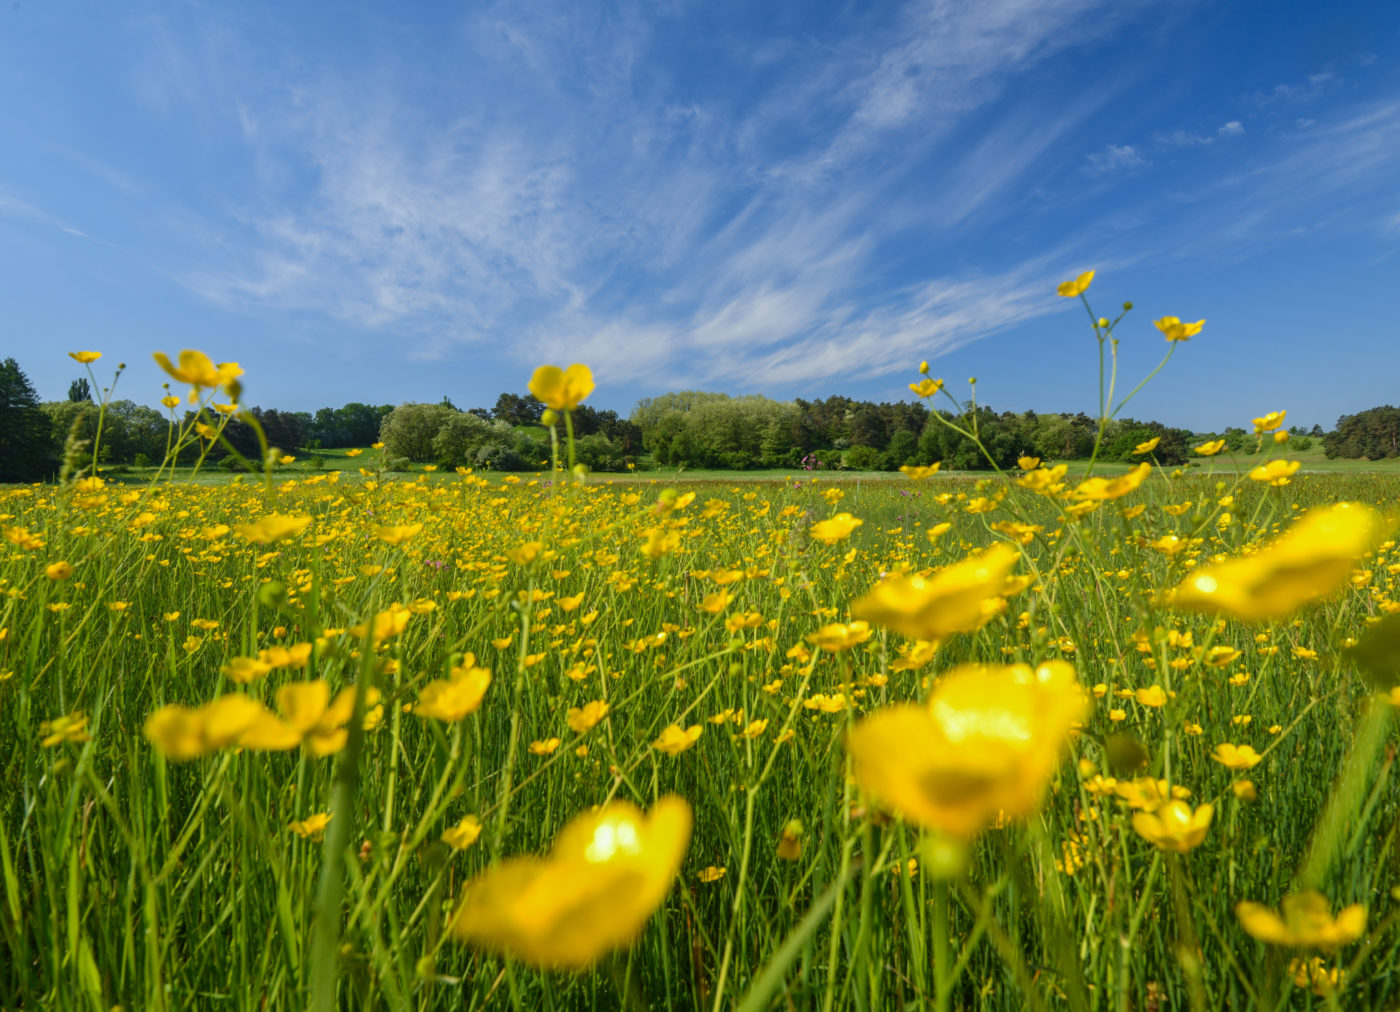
246	669
71	728
182	733
1276	472
608	871
1174	826
1080	285
1211	448
674	739
85	357
58	570
196	369
464	834
1312	559
1174	330
926	387
1236	757
582	719
309	717
385	624
1148	446
840	636
1101	489
984	746
561	389
716	602
1306	922
454	698
312	826
917	473
273	527
397	535
837	528
1154	696
1269	422
960	598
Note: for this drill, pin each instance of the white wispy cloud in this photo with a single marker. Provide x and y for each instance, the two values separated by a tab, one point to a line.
533	233
572	203
1114	158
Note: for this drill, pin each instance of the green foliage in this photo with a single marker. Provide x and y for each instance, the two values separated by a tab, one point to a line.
26	441
460	435
354	424
409	430
599	453
903	449
864	458
1373	434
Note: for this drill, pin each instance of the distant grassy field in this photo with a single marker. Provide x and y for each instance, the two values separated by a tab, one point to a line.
1313	461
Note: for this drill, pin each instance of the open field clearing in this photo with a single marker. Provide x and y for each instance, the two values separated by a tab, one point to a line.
275	745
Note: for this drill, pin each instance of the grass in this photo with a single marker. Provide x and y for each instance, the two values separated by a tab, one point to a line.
129	878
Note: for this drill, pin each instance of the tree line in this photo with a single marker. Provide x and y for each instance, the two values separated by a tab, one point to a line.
690	428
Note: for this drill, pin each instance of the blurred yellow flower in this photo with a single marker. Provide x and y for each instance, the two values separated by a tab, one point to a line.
464	834
674	740
1148	446
1100	489
1310	560
916	472
544	747
1269	422
273	527
1154	696
196	369
1276	472
312	826
1174	330
245	669
385	624
1080	285
840	636
837	528
1306	922
452	699
85	357
987	742
561	389
926	387
1211	448
1236	757
582	719
71	728
961	598
608	871
58	570
1174	826
397	535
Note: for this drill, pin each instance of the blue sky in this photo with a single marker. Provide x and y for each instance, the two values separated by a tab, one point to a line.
383	202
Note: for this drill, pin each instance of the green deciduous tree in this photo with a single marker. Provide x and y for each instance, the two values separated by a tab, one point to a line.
409	430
